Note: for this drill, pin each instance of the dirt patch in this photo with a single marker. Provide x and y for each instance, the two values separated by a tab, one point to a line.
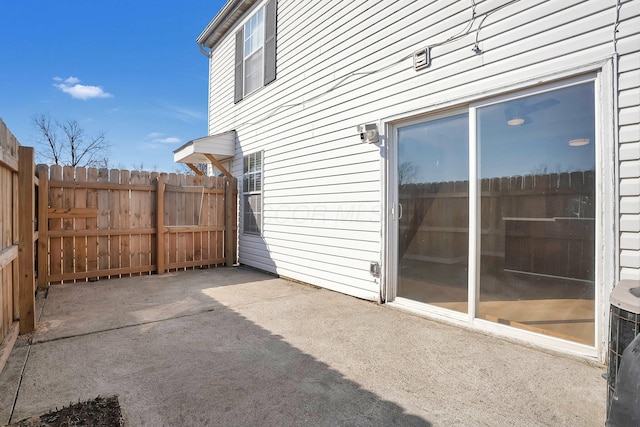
99	412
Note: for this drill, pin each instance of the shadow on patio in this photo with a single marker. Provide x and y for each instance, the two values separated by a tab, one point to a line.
176	356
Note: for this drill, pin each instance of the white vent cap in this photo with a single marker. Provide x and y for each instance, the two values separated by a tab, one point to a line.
421	59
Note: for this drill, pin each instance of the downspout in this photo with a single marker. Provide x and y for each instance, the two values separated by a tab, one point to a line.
208	54
616	140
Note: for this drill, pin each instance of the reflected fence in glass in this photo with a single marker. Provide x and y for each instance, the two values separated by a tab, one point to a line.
537	209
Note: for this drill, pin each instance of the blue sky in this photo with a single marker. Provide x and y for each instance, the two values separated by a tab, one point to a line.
129	68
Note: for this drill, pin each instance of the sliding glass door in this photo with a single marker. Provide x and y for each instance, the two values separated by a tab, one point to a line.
535	192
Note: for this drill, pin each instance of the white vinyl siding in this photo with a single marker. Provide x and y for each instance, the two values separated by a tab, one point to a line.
629	136
344	63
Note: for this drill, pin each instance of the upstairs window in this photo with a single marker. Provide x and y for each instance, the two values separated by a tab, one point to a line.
253	52
255	61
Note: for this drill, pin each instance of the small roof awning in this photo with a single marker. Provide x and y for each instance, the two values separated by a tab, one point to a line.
220	146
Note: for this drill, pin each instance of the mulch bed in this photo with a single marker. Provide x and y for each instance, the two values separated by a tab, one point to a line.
99	412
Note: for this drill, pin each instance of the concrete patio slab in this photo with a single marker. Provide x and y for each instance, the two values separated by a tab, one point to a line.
239	347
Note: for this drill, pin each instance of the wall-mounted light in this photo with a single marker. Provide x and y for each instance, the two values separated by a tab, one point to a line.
579	142
369	133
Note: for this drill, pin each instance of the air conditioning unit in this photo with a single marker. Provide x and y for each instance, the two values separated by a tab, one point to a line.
422	59
369	133
625	327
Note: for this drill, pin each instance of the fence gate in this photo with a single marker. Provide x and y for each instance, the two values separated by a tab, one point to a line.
18	235
193	223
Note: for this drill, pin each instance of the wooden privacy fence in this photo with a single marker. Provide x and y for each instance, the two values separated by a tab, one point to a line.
105	223
17	239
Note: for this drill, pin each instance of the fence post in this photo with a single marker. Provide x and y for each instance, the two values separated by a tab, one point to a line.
43	226
228	222
15	278
160	225
26	252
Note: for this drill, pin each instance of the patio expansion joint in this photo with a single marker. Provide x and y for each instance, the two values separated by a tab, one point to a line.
253	303
41	299
24	368
132	325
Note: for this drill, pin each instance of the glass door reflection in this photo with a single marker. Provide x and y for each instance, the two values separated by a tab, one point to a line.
537	208
433	193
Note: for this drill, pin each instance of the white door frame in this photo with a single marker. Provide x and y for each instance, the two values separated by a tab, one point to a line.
602	74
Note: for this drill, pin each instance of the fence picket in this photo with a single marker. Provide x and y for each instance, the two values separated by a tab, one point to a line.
205	218
92	222
68	201
189	219
80	222
103	224
114	221
171	220
55	224
136	208
152	204
220	218
125	221
145	222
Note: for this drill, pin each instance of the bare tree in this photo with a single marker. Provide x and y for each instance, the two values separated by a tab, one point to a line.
67	144
407	172
186	170
142	167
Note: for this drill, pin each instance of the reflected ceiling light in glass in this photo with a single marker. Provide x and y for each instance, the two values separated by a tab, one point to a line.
514	116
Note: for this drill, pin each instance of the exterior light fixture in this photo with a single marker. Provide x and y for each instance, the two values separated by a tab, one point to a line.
579	142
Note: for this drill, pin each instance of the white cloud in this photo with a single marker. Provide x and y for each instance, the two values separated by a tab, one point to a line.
157	137
72	86
72	80
169	140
